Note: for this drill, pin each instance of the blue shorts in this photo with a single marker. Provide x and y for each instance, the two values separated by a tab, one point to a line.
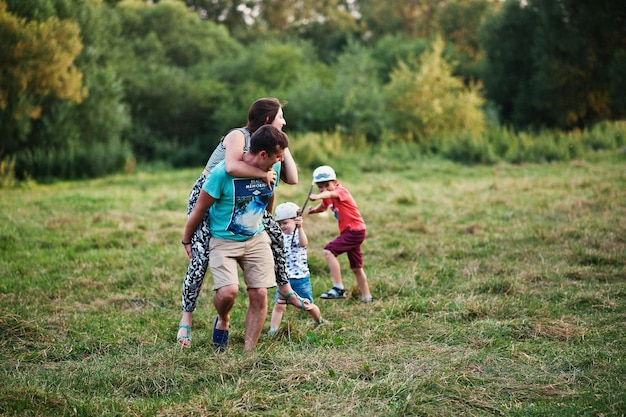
302	286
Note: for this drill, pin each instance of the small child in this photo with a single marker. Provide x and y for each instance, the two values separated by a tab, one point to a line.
351	232
295	240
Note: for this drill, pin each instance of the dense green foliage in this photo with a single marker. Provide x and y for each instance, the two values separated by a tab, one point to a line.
499	291
89	86
552	63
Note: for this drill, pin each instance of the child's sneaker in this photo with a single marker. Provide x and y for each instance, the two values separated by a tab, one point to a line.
366	299
334	293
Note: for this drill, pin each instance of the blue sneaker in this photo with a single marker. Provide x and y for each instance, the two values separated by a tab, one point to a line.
220	337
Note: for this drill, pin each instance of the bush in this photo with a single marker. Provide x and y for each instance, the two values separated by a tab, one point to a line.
194	155
605	136
468	148
426	101
545	146
314	149
80	161
498	144
7	172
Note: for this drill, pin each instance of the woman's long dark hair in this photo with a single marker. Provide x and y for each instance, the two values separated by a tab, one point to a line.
262	112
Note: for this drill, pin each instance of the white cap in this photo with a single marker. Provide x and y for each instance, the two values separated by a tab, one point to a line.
323	174
286	211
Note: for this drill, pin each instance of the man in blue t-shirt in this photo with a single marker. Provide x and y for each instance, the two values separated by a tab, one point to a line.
236	207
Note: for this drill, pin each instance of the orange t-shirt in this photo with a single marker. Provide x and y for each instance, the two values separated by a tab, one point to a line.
345	210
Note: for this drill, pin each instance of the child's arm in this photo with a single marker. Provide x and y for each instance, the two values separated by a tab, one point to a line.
234	143
324	195
321	196
317	209
303	241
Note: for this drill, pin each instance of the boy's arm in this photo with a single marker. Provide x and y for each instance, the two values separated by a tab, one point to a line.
324	195
303	241
317	209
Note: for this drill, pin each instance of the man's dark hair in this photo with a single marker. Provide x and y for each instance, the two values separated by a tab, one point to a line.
269	139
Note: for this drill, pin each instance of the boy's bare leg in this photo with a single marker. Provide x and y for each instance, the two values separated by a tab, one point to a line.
334	267
277	315
361	280
255	317
315	313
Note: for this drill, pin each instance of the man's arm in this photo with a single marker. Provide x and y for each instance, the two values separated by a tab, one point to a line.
205	201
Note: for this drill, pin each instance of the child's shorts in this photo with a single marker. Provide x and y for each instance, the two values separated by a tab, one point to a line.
349	241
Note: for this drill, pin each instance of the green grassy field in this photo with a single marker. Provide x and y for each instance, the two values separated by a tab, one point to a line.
498	291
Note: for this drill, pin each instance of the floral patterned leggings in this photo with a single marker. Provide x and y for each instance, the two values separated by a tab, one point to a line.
199	264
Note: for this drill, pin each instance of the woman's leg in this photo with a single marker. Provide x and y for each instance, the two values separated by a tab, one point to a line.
278	250
196	270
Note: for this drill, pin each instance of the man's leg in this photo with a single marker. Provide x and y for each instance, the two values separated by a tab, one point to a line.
224	299
258	272
255	317
223	260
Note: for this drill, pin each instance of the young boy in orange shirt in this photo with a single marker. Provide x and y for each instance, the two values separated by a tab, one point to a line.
351	232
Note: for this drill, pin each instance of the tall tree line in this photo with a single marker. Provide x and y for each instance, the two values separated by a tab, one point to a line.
87	85
556	63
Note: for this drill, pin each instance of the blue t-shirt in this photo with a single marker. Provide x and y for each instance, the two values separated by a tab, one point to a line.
237	213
